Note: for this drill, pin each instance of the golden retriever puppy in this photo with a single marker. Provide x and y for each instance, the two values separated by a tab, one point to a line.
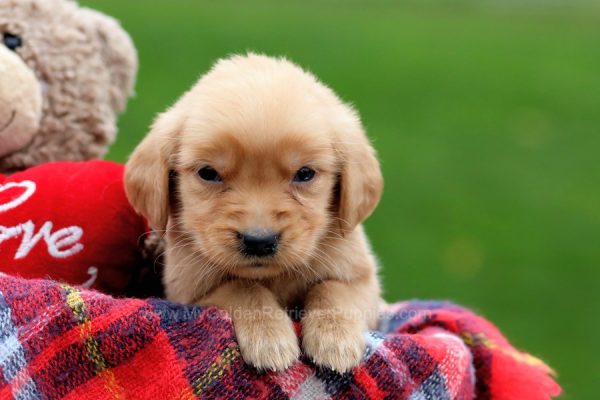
261	176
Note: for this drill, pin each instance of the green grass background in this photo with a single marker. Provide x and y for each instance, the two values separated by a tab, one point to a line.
486	115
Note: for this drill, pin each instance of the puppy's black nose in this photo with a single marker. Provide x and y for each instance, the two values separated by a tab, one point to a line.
259	245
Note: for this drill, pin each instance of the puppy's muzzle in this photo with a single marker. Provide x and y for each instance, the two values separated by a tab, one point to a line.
262	244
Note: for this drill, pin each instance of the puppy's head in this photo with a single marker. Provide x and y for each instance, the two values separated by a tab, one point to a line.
263	161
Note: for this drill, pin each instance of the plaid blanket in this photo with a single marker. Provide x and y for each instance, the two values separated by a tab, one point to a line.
57	341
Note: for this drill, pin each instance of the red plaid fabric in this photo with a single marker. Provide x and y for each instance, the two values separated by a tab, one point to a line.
58	341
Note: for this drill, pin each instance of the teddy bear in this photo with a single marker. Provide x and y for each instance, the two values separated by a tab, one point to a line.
65	74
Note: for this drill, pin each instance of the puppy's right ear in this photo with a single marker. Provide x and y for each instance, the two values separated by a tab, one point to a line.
148	168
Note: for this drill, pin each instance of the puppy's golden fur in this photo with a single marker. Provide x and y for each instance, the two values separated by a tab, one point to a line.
256	121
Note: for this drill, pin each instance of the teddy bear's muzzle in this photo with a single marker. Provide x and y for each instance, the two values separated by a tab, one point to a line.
20	103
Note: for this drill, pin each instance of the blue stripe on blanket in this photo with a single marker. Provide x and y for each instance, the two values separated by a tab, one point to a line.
12	357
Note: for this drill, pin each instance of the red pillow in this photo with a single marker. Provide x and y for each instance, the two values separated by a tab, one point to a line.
71	222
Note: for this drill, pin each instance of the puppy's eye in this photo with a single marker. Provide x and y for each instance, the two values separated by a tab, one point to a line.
209	174
11	41
304	174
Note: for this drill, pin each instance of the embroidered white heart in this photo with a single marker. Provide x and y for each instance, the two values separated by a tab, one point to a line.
14	202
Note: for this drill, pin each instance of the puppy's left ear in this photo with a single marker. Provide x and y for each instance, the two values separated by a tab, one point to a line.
360	180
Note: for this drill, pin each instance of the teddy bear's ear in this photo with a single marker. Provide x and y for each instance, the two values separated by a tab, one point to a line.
119	54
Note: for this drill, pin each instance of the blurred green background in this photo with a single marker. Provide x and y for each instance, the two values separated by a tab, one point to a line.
486	115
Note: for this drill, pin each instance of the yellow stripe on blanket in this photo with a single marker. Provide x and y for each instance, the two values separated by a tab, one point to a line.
473	339
216	369
79	309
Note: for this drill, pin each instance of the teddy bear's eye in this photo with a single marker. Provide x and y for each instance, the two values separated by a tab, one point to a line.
11	41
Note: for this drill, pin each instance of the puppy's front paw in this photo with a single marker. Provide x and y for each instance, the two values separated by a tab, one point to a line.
268	343
333	342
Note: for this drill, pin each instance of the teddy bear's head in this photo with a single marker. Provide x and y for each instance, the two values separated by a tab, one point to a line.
65	73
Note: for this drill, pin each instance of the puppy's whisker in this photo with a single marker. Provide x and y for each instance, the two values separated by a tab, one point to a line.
181	243
209	272
307	256
341	219
172	231
204	268
334	234
320	256
324	260
340	256
331	246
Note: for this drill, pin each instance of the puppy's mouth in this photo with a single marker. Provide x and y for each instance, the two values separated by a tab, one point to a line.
257	264
9	122
256	269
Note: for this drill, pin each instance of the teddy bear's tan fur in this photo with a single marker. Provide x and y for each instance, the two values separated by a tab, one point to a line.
84	65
